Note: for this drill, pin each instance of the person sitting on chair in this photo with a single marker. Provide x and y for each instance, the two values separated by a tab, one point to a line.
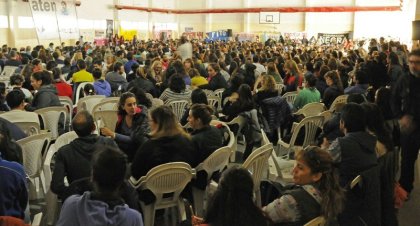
317	193
104	205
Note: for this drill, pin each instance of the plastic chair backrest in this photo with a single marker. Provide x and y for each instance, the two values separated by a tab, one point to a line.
342	99
51	117
209	93
218	93
318	221
327	115
8	71
290	97
109	103
80	87
264	137
311	124
68	103
216	162
215	103
26	121
87	103
37	219
256	163
240	121
64	139
311	109
32	149
279	87
106	118
167	178
178	107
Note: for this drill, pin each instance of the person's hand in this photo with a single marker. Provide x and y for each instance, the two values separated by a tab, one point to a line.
407	125
325	144
234	97
107	132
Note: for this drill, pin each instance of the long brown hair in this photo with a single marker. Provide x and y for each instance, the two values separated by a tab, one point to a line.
167	123
320	161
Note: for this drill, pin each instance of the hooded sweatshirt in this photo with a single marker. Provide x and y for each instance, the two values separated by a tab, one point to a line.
83	210
357	155
73	160
46	96
102	87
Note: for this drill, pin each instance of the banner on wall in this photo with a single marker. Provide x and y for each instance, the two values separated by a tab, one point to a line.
193	35
332	39
217	35
109	29
45	19
127	34
67	20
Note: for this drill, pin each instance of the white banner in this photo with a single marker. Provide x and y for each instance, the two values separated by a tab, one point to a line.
55	19
45	20
67	20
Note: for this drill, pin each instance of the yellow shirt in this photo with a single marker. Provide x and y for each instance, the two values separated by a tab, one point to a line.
198	81
82	76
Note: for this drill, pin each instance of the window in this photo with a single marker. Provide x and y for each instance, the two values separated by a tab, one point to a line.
25	22
4	22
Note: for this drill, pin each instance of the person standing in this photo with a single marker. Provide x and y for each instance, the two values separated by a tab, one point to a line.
406	106
185	49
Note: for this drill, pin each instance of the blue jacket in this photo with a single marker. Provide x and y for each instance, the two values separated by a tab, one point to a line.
102	87
13	190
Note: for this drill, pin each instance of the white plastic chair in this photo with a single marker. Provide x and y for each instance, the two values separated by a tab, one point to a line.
68	103
256	163
33	147
106	118
178	107
318	221
232	140
311	109
51	117
209	93
279	87
27	121
8	71
37	219
342	99
310	124
240	121
163	179
50	197
218	93
327	114
216	162
215	103
78	90
109	103
290	97
87	103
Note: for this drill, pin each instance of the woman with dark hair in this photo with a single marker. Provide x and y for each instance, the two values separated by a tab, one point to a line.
47	93
3	104
376	126
188	65
272	70
132	125
239	103
63	89
232	203
9	149
205	137
168	143
216	80
317	191
143	82
334	89
395	70
141	97
107	200
88	90
198	96
176	91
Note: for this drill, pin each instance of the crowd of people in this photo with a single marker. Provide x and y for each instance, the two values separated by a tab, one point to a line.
381	114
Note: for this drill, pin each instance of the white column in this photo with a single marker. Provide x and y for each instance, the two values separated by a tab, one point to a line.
209	17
